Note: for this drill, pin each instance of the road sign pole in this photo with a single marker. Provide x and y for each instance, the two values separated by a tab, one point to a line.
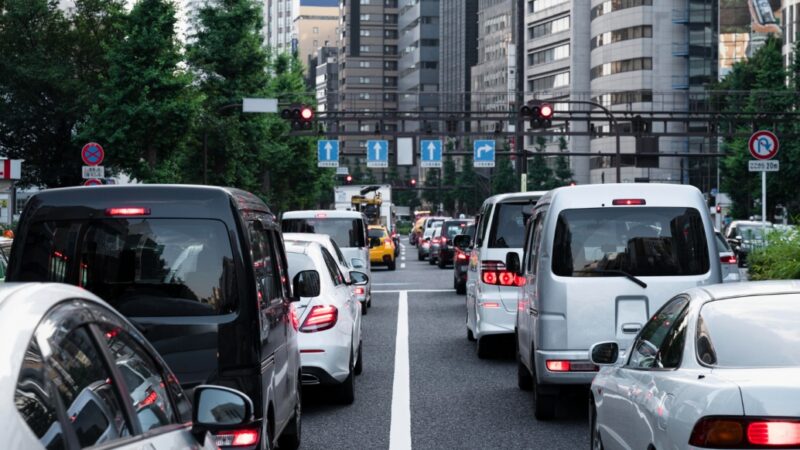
764	204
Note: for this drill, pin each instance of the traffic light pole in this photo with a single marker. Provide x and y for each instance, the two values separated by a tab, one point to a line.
519	138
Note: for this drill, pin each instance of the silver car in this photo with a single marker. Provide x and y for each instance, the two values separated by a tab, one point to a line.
58	344
715	367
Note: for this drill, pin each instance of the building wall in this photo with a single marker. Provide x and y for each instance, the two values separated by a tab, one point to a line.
315	27
418	64
790	12
490	76
458	51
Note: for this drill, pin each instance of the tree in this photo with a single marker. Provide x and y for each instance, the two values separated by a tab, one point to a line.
468	195
51	70
433	195
148	107
562	171
503	179
540	176
449	179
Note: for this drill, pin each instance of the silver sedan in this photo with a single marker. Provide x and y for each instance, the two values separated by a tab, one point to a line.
715	367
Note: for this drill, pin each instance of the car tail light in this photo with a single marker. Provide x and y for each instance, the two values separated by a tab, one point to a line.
493	272
628	201
320	215
237	438
360	290
444	240
731	259
739	432
461	256
557	366
387	244
128	211
490	305
151	398
436	240
321	317
293	318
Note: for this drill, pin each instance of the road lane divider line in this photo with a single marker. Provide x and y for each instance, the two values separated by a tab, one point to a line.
400	430
402	265
395	291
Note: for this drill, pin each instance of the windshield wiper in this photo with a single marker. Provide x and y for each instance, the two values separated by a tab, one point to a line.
615	271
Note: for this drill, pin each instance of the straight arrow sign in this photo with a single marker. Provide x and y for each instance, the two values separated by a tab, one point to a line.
430	153
377	153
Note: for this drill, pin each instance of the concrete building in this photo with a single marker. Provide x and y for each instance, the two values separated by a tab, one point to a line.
326	78
315	24
628	59
418	65
493	77
278	25
368	63
790	13
458	52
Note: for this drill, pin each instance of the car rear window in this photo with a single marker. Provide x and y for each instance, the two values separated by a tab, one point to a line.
722	244
376	233
771	337
345	232
508	224
143	267
454	228
642	241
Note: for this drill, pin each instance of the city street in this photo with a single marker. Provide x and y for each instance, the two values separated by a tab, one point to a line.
455	399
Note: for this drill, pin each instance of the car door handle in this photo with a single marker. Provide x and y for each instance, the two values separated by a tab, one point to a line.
631	327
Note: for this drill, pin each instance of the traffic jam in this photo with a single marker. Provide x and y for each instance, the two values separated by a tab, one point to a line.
178	316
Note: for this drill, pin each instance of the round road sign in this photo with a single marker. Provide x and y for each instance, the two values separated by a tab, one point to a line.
763	144
92	154
92	182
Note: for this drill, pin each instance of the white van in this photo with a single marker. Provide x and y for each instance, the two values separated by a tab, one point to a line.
599	260
491	293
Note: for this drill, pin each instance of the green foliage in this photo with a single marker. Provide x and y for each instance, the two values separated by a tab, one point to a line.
778	260
562	171
433	196
763	78
147	109
504	180
468	195
540	175
449	178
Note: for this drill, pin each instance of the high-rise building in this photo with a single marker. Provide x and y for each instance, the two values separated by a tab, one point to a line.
315	25
326	78
458	52
418	66
368	62
790	14
278	25
627	59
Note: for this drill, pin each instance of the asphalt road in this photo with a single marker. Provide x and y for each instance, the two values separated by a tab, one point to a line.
455	400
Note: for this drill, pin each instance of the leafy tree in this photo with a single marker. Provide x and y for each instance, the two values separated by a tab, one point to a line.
147	108
504	179
51	70
468	195
449	179
562	171
540	176
433	196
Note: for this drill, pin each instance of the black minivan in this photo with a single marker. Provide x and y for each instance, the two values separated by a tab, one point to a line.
200	270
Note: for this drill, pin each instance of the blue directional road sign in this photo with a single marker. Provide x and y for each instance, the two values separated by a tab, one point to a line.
430	153
483	153
377	153
327	153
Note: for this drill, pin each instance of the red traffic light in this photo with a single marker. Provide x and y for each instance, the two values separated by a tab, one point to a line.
546	111
348	179
719	208
413	182
306	113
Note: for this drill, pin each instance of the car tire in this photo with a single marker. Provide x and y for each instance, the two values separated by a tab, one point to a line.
420	257
360	362
524	378
393	265
364	309
461	289
484	348
369	302
544	405
290	439
441	264
595	441
431	261
346	392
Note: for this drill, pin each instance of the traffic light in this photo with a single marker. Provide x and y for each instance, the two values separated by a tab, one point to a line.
348	179
301	116
538	112
413	182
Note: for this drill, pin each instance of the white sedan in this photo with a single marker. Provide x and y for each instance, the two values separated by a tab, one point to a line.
715	367
329	324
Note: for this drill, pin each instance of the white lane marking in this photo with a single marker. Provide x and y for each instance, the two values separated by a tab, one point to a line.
403	258
391	284
400	431
390	291
402	247
402	265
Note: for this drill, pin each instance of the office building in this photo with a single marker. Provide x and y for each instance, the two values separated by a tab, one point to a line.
418	64
315	24
326	78
458	52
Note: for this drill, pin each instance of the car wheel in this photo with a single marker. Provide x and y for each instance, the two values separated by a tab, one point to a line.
524	379
364	309
461	289
431	261
483	348
441	264
594	428
346	392
290	439
392	265
369	302
420	257
544	405
360	362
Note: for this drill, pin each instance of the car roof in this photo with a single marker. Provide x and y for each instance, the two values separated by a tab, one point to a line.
514	196
320	238
724	291
328	214
601	195
754	223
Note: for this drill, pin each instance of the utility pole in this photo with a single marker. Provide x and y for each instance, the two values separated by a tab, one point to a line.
519	137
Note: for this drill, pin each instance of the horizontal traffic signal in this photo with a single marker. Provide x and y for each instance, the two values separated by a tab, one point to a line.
301	116
538	112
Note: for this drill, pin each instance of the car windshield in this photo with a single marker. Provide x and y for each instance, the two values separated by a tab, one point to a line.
143	267
750	232
345	232
434	223
640	241
453	229
508	224
772	337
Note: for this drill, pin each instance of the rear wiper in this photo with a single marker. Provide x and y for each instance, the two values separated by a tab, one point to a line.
615	271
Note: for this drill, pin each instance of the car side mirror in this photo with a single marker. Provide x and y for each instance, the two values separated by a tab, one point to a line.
738	238
604	353
218	408
512	263
306	284
462	241
358	278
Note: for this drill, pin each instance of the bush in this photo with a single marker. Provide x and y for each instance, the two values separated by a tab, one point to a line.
778	260
403	226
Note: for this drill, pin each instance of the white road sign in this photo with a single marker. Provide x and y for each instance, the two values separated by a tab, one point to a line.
90	172
768	165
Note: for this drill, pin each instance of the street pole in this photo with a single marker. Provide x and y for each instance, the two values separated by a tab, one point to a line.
764	204
519	138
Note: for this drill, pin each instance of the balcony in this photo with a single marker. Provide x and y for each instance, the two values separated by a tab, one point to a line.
680	49
680	82
680	16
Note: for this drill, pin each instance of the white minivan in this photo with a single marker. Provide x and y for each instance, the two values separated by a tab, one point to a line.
599	260
491	290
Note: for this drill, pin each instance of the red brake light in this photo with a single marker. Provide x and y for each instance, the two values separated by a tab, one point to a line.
519	281
128	211
461	256
490	277
628	201
237	438
320	318
557	366
492	305
778	433
731	259
320	215
150	399
360	290
506	278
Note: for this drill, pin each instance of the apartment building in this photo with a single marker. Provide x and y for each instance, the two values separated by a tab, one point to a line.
418	64
458	52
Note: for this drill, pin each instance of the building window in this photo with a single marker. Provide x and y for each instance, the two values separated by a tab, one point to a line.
548	55
625	65
315	30
557	80
363	48
364	17
610	6
363	80
625	97
547	28
364	33
624	34
364	64
363	95
540	5
390	65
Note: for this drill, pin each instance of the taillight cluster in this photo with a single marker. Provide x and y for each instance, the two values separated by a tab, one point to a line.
494	273
436	240
743	432
320	318
730	259
237	438
461	256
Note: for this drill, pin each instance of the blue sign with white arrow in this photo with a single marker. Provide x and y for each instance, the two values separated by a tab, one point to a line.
483	153
327	153
377	153
430	153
